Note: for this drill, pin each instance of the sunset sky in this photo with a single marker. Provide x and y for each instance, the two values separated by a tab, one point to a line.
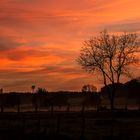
40	39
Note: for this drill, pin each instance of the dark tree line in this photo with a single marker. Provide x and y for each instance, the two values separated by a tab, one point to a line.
10	100
50	100
47	100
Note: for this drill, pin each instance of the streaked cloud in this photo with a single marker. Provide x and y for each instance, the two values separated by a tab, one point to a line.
40	39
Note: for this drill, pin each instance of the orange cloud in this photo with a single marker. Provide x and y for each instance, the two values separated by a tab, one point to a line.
40	39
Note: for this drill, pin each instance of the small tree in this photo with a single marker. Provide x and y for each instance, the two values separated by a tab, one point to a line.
41	91
111	56
89	88
33	88
1	90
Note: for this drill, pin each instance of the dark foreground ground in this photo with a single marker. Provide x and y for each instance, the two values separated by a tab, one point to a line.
70	126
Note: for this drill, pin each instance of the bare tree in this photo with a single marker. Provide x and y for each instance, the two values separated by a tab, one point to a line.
110	55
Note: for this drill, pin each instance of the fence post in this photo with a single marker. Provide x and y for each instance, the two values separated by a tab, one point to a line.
58	124
52	109
83	128
23	123
68	107
83	108
38	123
2	109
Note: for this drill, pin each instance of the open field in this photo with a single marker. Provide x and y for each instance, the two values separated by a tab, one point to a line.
70	125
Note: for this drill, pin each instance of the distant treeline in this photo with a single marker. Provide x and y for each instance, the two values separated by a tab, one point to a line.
49	99
128	93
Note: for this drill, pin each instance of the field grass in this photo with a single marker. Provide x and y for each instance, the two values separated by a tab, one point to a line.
70	125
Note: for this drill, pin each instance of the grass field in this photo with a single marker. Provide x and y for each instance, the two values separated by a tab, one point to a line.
70	125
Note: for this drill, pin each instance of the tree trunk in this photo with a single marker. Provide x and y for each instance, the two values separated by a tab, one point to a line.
112	93
112	99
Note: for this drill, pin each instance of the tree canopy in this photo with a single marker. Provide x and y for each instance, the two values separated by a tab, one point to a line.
111	55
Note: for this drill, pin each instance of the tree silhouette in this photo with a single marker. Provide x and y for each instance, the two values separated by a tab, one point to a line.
1	90
13	99
2	102
89	88
33	88
41	91
110	55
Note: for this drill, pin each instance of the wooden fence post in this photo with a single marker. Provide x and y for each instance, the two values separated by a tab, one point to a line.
83	128
38	123
58	125
23	123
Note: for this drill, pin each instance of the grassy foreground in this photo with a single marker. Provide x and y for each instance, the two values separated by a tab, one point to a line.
70	125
